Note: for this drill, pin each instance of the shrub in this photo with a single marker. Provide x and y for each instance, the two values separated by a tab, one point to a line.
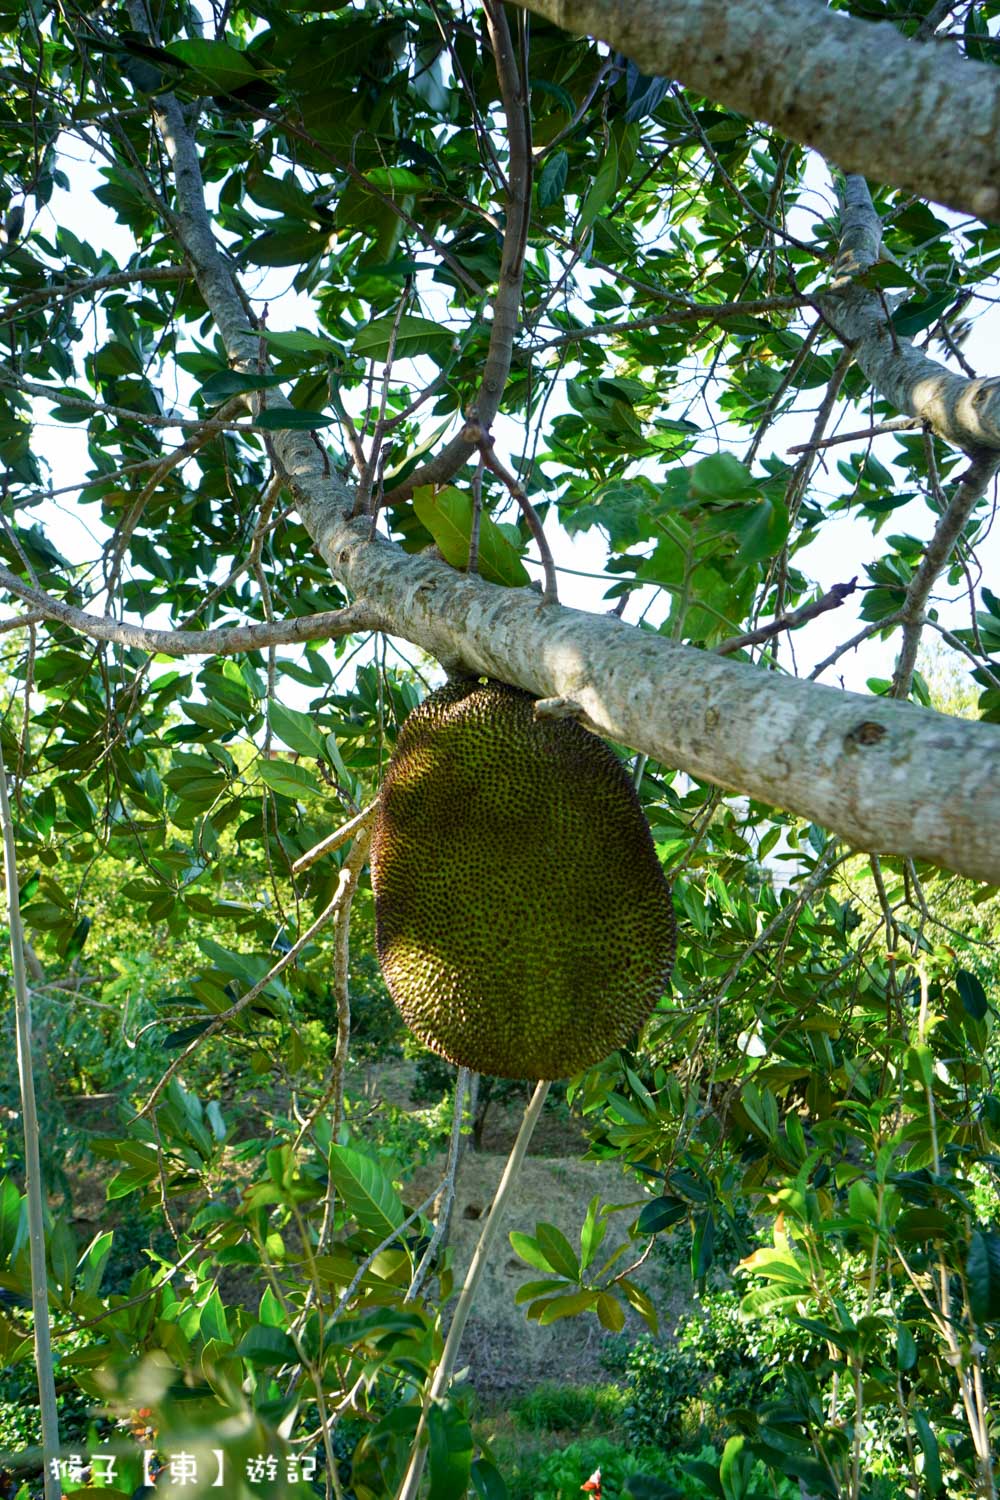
663	1381
559	1476
555	1408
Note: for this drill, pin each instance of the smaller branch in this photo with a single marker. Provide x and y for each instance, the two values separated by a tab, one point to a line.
832	599
347	885
446	1192
347	1295
856	640
179	455
896	424
335	840
476	435
366	478
63	292
693	312
971	488
21	622
579	113
353	618
472	565
209	425
507	302
957	645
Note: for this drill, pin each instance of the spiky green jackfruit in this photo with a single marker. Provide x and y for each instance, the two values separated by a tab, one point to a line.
522	919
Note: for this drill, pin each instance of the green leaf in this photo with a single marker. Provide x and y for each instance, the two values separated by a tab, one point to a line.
601	190
44	812
647	1487
263	1345
569	1306
368	1195
447	514
414	336
225	383
932	1477
610	1312
920	312
213	1324
90	1267
661	1213
529	1249
552	179
298	730
223	66
702	1245
972	994
487	1481
721	477
77	938
289	779
128	1181
557	1251
761	529
734	1469
10	1214
592	1231
983	1272
906	1348
290	419
450	1451
62	1254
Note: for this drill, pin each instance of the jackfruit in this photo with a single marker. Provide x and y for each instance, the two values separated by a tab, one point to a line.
522	919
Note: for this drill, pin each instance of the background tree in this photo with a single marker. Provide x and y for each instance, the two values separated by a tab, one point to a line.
403	290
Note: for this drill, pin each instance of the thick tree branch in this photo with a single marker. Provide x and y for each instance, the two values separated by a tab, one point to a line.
885	775
224	642
963	412
915	117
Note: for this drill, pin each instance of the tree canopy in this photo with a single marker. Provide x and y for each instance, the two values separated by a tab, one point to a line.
337	342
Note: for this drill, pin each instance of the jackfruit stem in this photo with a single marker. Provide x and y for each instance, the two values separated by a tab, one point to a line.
410	1486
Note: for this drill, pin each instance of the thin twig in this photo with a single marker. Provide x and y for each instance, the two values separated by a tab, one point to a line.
506	304
247	998
366	479
446	1192
336	839
856	640
475	433
832	599
896	424
694	312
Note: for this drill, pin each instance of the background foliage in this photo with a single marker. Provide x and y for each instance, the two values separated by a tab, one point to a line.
810	1128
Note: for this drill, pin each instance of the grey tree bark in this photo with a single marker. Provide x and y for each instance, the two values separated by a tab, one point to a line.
916	117
887	776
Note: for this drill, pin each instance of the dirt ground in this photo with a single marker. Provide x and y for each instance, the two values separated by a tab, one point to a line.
502	1349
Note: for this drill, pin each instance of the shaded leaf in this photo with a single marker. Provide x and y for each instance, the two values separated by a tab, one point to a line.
447	514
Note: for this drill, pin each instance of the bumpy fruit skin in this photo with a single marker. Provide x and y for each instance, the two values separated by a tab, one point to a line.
522	919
